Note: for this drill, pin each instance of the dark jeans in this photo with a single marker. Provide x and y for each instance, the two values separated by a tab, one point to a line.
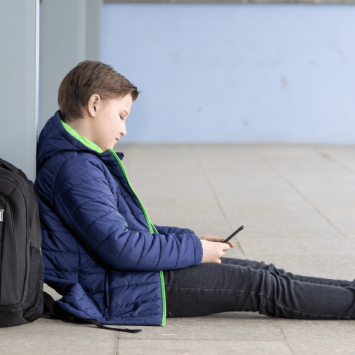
251	286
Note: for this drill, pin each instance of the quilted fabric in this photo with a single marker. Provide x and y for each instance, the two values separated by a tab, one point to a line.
100	250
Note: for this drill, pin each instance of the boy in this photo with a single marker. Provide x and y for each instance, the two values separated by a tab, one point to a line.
107	259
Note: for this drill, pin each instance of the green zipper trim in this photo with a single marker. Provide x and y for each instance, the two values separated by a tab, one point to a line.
151	226
163	321
155	228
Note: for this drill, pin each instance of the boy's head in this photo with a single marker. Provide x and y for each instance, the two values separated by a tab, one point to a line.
95	100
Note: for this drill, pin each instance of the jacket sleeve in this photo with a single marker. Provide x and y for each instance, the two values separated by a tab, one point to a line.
83	199
177	230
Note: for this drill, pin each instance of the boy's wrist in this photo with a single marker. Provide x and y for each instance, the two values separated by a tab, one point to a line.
198	250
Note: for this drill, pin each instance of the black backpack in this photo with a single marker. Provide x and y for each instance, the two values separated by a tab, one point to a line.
22	299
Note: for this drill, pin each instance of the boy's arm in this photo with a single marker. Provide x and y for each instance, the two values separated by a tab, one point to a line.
84	201
168	230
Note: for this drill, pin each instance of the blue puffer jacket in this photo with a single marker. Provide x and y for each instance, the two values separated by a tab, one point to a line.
100	250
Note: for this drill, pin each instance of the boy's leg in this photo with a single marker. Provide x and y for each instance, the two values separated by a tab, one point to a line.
222	287
271	268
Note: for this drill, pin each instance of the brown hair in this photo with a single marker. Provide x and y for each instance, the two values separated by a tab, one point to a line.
87	78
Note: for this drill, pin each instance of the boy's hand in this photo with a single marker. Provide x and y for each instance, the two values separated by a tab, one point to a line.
212	252
213	238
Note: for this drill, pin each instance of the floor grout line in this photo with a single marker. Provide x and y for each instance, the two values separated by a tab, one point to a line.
116	345
285	337
304	196
192	147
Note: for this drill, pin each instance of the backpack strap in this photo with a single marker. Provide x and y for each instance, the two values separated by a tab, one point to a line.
52	310
9	166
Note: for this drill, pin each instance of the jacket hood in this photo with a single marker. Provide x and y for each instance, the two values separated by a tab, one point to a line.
56	136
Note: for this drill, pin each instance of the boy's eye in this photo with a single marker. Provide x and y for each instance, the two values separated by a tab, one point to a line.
121	117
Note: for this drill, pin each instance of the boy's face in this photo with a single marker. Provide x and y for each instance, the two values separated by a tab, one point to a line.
109	121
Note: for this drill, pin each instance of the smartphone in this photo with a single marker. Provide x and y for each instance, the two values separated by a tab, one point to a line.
233	234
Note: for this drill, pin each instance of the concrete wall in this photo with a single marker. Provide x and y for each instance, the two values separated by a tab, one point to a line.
19	28
235	72
70	33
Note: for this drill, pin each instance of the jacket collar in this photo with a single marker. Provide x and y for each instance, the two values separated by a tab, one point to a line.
56	137
82	139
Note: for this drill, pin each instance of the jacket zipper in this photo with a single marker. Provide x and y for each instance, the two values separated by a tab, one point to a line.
139	201
150	225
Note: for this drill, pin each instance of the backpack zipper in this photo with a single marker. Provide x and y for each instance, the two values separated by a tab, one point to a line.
1	230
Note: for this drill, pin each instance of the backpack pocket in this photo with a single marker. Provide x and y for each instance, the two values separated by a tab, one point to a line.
10	289
34	302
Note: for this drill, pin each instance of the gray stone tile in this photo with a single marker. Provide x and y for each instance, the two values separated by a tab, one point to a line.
189	347
45	336
318	330
312	247
323	347
344	156
268	221
325	184
268	206
221	326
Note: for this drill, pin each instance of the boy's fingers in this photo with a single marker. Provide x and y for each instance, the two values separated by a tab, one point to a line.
215	238
220	239
226	246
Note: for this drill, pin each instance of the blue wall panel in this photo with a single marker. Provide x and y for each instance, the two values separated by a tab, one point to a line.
235	72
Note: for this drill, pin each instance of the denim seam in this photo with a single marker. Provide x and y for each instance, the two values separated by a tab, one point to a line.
215	289
313	314
263	305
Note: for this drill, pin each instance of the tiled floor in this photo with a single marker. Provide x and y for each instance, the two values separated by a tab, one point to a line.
297	203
